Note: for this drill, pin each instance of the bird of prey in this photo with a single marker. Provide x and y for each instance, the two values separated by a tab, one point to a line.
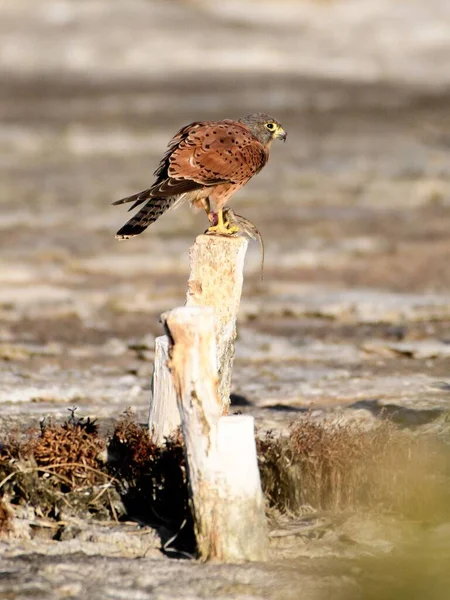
206	162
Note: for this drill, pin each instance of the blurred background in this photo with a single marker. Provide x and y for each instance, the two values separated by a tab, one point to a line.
353	314
354	209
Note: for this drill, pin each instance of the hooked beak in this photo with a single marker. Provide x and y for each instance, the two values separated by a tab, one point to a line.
281	134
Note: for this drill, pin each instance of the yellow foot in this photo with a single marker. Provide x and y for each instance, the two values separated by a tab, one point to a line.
221	225
222	229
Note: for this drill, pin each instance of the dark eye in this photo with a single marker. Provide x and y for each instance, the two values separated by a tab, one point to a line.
270	126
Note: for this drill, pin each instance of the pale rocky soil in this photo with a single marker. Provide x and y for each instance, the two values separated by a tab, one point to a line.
353	313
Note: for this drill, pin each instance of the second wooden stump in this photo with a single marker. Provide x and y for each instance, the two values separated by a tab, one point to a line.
225	488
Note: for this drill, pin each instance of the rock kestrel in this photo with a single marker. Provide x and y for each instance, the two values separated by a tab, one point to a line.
206	163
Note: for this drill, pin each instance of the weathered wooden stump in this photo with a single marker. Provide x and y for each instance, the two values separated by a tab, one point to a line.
216	278
244	528
191	386
217	274
164	416
226	497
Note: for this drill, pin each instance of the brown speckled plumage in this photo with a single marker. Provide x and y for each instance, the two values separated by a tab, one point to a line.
206	163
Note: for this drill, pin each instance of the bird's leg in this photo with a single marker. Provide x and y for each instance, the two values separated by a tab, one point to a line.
206	205
212	216
221	227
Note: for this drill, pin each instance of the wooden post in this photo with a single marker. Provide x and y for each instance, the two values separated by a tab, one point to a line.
216	278
225	488
217	265
164	417
243	517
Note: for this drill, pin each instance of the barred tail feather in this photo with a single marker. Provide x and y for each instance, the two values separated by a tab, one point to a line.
137	199
148	214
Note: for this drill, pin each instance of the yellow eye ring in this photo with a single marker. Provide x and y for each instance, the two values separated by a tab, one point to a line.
270	126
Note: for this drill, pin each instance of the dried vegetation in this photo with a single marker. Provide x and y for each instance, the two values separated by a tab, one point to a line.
71	470
336	467
153	484
56	470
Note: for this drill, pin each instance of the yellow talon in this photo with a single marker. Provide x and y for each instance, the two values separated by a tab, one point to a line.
222	227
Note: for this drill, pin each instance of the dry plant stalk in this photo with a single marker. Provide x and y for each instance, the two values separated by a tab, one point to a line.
5	518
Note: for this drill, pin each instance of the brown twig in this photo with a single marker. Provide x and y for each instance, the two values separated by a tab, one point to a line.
59	476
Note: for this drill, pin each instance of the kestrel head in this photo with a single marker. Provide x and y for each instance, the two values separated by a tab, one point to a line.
264	127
